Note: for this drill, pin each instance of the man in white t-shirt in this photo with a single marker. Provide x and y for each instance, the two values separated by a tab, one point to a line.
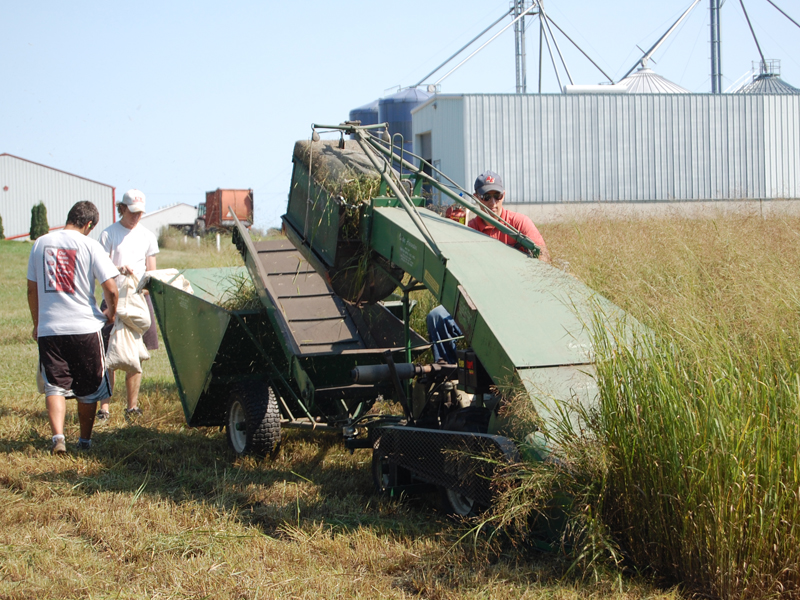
133	250
62	269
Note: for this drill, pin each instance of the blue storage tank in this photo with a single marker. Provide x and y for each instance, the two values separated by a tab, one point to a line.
396	111
367	114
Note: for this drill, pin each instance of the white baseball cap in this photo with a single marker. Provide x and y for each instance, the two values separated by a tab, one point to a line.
134	200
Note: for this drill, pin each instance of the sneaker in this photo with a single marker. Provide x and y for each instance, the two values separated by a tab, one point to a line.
131	414
59	447
84	444
102	417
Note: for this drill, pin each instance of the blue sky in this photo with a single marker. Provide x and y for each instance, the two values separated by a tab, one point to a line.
176	98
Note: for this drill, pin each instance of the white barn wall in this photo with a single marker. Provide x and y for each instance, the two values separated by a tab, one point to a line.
444	115
587	148
29	182
178	214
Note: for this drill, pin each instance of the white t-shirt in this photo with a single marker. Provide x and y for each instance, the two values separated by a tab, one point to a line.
65	265
129	247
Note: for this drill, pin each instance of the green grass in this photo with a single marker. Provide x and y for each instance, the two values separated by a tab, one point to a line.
161	510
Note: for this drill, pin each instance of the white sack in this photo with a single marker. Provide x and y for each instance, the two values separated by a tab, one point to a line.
126	349
132	307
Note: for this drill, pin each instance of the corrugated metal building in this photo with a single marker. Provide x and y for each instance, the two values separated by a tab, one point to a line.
24	183
617	147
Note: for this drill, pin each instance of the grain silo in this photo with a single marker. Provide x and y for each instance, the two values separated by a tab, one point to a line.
367	114
646	81
768	81
395	110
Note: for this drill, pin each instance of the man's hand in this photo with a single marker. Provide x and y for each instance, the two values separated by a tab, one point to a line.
111	295
125	270
33	305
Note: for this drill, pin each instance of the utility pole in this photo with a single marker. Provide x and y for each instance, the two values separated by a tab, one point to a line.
716	57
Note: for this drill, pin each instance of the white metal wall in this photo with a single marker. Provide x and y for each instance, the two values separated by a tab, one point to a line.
445	116
179	214
782	147
29	182
626	147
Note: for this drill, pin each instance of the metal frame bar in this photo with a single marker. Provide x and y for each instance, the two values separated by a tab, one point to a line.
589	58
783	13
660	41
755	39
275	372
555	43
464	47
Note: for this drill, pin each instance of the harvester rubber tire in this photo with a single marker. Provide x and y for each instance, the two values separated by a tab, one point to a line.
452	502
455	504
253	420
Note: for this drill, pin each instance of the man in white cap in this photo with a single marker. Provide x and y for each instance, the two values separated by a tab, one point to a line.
133	250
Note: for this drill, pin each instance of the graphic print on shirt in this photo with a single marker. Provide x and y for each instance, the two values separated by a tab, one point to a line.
59	270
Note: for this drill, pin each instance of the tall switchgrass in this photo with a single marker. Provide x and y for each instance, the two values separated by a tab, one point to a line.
703	448
690	467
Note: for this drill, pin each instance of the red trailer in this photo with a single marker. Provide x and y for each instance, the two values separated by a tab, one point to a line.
215	213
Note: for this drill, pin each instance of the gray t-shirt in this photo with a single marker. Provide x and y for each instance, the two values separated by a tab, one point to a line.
65	265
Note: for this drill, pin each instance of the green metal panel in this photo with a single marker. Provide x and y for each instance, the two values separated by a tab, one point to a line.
560	390
210	348
314	213
192	329
518	314
403	245
214	285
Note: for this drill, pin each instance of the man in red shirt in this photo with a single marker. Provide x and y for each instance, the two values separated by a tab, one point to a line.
489	190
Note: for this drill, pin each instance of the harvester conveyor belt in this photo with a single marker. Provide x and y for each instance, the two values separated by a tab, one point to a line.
316	337
314	318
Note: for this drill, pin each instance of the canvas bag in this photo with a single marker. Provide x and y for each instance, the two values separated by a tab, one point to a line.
126	349
132	306
171	277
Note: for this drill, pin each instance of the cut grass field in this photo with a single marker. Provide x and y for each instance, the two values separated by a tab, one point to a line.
160	510
689	477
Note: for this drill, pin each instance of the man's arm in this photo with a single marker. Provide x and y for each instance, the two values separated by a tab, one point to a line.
544	253
526	227
149	265
33	305
111	294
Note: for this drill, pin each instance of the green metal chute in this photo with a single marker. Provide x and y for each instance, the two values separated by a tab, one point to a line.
519	314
